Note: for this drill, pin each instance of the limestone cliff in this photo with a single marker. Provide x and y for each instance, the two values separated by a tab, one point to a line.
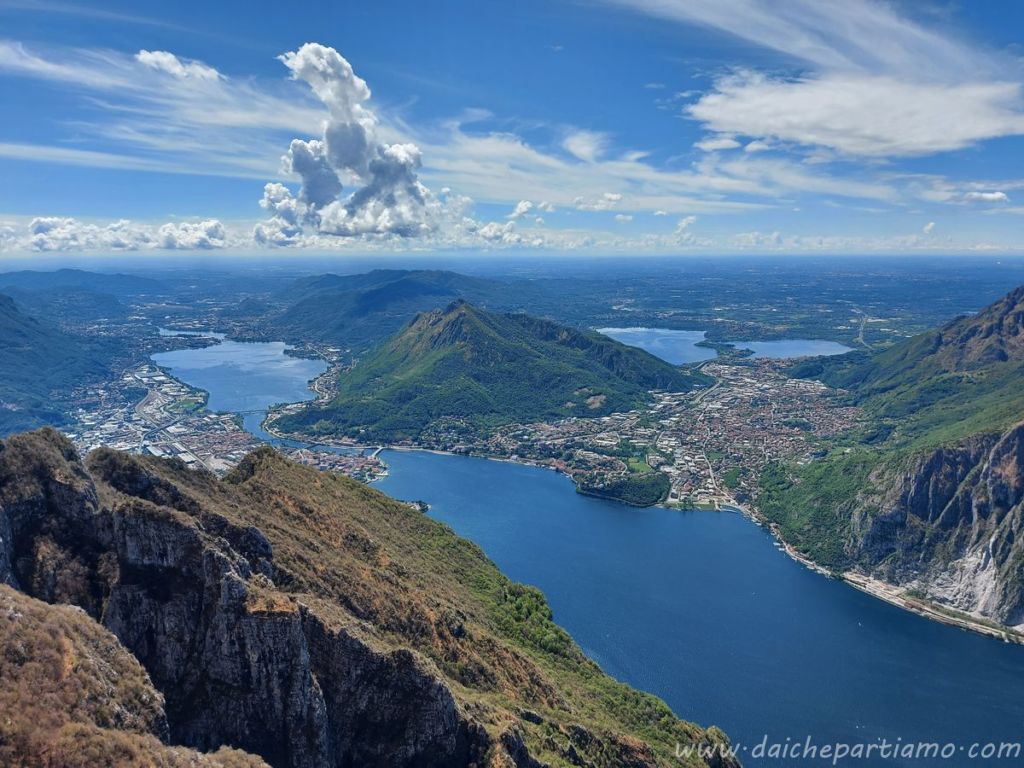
948	524
312	621
929	496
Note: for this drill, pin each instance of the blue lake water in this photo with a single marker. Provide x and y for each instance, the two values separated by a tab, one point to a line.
790	348
243	377
680	347
676	347
700	608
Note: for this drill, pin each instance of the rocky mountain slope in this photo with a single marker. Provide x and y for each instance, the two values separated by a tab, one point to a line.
932	496
302	617
72	696
472	369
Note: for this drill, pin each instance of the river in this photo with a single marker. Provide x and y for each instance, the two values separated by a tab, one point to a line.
700	608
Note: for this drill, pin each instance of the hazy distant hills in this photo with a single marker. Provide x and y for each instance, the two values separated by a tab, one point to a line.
114	284
957	380
37	362
300	616
933	496
480	369
357	311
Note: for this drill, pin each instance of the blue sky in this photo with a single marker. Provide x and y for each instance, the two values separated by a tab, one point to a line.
624	126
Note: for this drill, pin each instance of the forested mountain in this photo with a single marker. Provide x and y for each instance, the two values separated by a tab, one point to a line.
472	369
357	311
39	362
932	497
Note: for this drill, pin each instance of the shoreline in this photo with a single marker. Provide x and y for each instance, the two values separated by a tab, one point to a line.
889	593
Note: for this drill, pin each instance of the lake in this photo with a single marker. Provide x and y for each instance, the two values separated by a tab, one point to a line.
790	348
675	347
680	347
245	378
700	608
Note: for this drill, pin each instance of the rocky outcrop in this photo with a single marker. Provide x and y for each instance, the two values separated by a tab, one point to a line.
163	576
72	696
339	669
948	524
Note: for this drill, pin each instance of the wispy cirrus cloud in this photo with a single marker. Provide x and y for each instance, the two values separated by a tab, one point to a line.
869	82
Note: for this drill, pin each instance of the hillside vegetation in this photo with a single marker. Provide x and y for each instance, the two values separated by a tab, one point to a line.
930	494
306	618
359	311
40	363
470	369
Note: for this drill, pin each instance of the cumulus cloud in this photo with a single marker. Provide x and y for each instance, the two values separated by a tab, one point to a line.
165	61
61	233
493	232
201	235
623	217
928	228
522	208
987	197
389	199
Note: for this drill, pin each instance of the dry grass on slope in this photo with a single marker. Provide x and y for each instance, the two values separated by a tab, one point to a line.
72	697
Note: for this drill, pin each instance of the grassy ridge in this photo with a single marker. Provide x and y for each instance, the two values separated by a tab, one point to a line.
352	552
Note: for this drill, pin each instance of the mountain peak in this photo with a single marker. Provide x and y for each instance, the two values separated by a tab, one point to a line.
484	368
993	335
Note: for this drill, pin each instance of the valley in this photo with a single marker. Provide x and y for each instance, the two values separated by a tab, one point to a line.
719	434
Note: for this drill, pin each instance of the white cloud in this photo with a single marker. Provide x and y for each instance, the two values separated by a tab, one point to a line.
59	233
164	61
928	228
987	197
859	35
587	146
605	202
391	201
201	235
716	143
522	208
623	217
757	240
505	234
874	116
875	83
660	212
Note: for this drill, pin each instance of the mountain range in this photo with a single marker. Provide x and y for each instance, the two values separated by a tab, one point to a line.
358	311
467	369
930	497
280	616
40	364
